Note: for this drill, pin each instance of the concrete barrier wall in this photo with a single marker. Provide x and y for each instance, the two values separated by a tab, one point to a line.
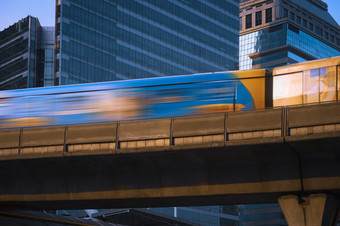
42	136
198	125
144	130
9	138
97	133
313	115
232	128
260	120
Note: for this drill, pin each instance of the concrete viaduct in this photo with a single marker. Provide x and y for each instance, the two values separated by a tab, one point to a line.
289	155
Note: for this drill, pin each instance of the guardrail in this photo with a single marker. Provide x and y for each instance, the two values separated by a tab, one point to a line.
231	128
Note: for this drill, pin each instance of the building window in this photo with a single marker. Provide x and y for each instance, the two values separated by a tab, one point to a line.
285	13
258	18
298	19
240	23
332	38
304	23
318	31
269	15
248	21
311	27
338	42
292	16
326	35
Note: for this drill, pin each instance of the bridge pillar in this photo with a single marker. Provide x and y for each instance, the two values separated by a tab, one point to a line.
313	210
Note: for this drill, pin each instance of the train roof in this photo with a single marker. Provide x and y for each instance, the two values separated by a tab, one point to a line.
307	65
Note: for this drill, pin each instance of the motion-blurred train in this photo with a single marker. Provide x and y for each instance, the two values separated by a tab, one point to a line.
303	83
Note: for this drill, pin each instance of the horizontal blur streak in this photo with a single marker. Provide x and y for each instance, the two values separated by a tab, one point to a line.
133	99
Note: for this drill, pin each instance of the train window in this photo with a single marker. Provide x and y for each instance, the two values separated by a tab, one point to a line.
287	89
319	85
311	86
327	84
314	72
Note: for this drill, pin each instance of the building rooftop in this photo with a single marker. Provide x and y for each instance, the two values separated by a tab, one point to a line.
318	8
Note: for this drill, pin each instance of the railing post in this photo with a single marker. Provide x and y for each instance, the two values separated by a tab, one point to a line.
20	141
283	122
117	136
171	131
225	127
286	126
65	140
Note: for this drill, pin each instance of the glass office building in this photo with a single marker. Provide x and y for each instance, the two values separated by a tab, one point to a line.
204	215
276	33
281	32
112	40
123	39
26	55
45	57
261	214
18	44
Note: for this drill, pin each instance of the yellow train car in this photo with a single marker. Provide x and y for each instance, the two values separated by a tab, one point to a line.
309	82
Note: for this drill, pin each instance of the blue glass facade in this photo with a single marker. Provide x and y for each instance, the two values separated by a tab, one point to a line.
259	41
262	214
111	40
280	36
45	57
204	215
310	44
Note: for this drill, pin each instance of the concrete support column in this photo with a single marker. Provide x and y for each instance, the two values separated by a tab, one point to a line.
313	210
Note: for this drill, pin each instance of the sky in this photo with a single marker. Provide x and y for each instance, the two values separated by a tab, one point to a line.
11	11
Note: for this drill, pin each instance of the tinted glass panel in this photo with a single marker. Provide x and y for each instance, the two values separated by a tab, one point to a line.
248	21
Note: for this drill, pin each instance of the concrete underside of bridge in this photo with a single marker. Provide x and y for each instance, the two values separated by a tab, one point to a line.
212	175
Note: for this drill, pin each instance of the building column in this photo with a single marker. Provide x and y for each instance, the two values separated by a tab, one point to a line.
313	210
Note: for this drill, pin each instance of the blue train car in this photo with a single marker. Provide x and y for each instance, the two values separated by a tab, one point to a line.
133	99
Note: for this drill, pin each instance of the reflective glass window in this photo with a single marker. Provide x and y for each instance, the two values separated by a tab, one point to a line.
310	45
